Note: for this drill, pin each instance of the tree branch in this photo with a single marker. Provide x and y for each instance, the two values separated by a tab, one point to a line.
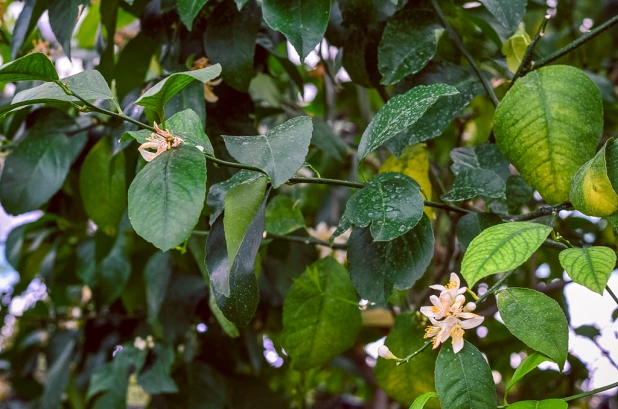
459	44
540	212
572	46
524	67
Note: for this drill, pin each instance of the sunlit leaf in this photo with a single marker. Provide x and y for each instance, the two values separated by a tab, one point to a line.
32	67
514	49
590	266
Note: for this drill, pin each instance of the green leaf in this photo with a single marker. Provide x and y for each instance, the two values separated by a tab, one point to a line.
234	283
515	48
35	170
167	196
229	39
548	125
378	267
540	404
392	203
321	318
188	10
190	97
592	192
518	192
501	248
58	372
157	96
590	266
283	216
228	326
508	12
405	382
611	162
546	332
416	29
279	153
188	126
528	364
102	184
157	275
155	379
419	403
441	113
32	67
484	156
63	15
241	205
26	23
218	191
399	113
113	271
464	379
588	331
89	85
470	183
472	224
133	63
327	141
303	23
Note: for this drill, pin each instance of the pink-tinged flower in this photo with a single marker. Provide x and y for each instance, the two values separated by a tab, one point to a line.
158	142
449	316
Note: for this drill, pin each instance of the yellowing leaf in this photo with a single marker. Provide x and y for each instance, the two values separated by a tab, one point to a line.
515	47
413	162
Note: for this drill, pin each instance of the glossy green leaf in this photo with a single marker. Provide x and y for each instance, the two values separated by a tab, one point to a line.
592	192
32	67
327	141
167	196
303	23
283	216
391	203
190	97
321	318
377	268
218	191
530	363
508	12
63	16
547	333
399	113
241	205
590	266
406	382
515	48
518	192
157	96
419	403
464	379
472	224
548	125
540	404
102	185
157	275
484	156
471	183
228	326
611	163
188	11
280	152
229	40
416	29
234	283
443	111
26	23
35	170
501	248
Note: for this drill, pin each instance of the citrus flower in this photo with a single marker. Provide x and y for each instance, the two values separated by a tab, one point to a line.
209	94
160	141
449	316
386	353
323	232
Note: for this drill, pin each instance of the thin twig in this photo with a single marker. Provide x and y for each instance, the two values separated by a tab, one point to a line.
459	44
573	45
308	240
540	212
496	286
524	67
611	293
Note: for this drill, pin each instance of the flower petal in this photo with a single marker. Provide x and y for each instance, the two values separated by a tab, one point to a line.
472	322
458	345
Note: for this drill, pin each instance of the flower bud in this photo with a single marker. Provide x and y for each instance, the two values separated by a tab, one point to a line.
140	343
386	353
470	307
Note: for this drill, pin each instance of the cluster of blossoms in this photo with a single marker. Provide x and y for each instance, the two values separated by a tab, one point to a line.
161	141
143	344
449	316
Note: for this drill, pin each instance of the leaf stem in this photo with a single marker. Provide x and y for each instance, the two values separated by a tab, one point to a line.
592	392
611	293
573	45
496	286
524	67
459	44
413	354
